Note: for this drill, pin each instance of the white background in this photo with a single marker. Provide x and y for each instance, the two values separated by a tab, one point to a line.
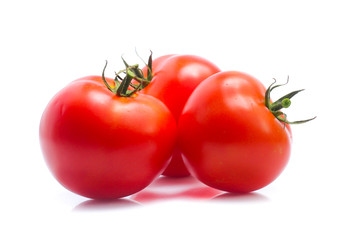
47	44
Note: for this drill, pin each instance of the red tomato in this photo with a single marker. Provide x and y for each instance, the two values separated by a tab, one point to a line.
174	79
229	139
103	146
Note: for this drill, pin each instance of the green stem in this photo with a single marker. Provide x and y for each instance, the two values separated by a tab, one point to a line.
278	105
124	87
283	102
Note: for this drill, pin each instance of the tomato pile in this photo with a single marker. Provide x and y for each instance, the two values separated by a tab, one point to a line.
106	138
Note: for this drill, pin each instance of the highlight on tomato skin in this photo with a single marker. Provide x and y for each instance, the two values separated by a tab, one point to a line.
103	146
229	138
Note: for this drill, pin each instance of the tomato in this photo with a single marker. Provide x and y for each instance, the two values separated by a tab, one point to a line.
229	138
174	79
103	146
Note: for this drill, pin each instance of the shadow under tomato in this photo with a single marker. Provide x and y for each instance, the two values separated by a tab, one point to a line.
169	188
240	197
100	205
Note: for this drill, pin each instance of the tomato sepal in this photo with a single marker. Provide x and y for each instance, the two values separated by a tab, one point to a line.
283	102
125	86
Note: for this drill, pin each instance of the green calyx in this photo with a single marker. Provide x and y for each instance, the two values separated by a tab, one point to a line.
133	80
283	102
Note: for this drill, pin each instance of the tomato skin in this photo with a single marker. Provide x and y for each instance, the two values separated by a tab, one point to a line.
174	79
228	137
102	146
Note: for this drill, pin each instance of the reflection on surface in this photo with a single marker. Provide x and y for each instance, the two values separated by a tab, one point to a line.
167	188
240	197
105	204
